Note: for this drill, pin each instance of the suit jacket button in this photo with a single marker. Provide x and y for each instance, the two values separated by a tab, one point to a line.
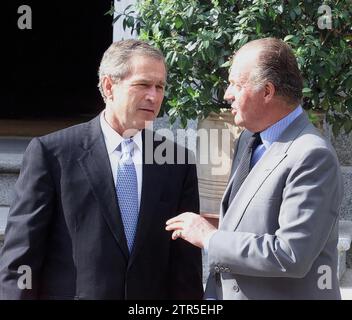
236	288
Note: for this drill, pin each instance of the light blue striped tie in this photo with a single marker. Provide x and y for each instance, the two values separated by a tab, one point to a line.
127	191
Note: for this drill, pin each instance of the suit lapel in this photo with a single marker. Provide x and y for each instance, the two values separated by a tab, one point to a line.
96	166
260	172
243	141
249	188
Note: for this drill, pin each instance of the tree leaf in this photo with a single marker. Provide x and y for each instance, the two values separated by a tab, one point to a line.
116	18
288	37
198	38
178	22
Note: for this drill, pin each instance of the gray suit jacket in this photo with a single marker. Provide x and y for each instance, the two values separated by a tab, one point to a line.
278	238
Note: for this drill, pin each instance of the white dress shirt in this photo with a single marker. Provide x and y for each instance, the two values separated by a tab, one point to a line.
112	141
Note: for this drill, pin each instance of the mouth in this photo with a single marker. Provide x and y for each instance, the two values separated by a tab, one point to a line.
233	109
151	111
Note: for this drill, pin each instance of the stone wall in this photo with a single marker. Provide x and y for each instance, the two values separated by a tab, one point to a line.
343	146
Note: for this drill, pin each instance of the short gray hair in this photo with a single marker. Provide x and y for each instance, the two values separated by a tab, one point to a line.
116	59
277	64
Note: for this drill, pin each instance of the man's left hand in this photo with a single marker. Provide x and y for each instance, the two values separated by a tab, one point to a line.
190	227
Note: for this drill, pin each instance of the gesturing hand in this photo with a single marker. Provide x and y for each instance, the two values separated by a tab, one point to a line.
190	227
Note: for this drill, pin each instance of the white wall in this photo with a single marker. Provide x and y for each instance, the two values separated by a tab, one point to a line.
118	32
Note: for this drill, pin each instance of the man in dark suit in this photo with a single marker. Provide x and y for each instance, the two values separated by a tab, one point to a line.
88	216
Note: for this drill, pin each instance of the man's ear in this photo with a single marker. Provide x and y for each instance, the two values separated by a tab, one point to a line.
107	87
269	92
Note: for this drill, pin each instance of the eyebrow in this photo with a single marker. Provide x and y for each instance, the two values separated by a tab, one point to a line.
163	83
241	79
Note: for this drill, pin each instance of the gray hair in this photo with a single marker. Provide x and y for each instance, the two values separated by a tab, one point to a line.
277	64
116	59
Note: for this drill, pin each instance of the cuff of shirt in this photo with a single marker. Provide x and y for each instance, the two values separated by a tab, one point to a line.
207	240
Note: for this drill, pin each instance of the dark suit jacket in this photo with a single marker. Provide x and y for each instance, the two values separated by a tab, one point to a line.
65	224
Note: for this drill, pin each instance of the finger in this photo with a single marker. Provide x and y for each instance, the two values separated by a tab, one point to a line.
181	217
174	219
174	226
188	214
176	234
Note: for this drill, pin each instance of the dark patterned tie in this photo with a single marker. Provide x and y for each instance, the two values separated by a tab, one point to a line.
244	166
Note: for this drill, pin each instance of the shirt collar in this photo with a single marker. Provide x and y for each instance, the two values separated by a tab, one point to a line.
271	134
113	139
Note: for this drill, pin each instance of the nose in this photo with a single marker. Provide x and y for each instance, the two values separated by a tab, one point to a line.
151	94
228	96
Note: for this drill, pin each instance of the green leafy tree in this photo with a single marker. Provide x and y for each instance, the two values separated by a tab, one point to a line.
199	37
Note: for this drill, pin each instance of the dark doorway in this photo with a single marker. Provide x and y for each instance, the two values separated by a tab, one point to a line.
51	70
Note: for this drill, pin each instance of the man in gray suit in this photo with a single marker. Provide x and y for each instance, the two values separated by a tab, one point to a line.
278	227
